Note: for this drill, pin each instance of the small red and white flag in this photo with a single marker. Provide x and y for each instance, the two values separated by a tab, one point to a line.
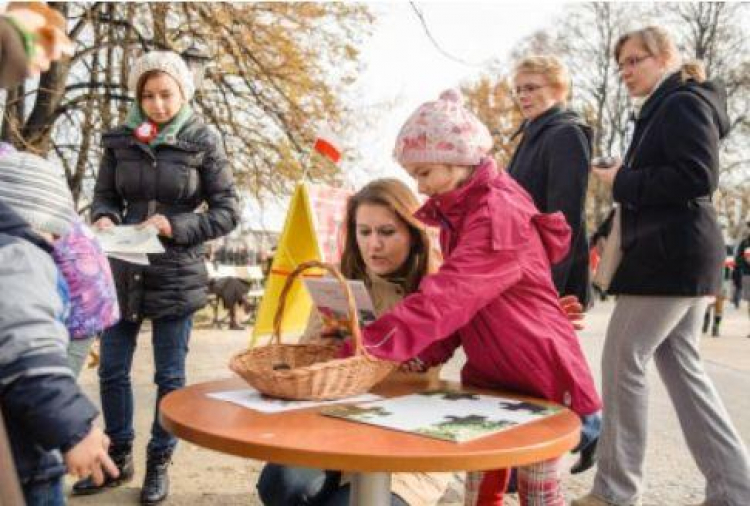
328	145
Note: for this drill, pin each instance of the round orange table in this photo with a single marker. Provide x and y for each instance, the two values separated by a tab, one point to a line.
307	438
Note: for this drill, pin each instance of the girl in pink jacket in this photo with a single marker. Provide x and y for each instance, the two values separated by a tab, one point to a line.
494	293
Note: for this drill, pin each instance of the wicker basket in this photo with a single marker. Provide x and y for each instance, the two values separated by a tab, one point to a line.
310	371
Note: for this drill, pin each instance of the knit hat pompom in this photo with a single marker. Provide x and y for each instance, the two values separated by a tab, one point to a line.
164	61
444	132
37	190
452	95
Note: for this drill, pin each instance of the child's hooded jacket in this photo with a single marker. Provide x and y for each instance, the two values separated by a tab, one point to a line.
494	296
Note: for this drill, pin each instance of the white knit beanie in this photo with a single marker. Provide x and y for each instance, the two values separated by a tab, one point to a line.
164	61
37	190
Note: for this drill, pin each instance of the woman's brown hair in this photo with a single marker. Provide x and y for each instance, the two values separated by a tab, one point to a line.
657	42
396	196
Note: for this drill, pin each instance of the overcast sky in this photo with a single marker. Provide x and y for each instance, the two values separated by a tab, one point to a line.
401	68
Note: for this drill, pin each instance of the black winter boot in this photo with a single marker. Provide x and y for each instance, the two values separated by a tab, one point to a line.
156	482
706	320
587	459
715	330
122	456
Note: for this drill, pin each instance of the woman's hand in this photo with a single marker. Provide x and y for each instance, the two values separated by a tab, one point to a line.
326	340
573	310
160	223
103	223
608	175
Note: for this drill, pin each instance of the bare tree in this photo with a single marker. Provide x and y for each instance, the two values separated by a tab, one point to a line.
716	34
491	100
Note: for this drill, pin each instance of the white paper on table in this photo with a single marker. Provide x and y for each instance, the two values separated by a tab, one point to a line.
328	296
133	258
130	239
252	399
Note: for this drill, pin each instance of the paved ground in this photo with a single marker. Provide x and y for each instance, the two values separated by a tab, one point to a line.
203	477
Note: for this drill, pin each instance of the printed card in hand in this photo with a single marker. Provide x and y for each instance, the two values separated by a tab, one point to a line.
331	302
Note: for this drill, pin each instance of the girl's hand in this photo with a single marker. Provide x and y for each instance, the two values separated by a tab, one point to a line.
573	310
608	175
103	223
413	365
160	223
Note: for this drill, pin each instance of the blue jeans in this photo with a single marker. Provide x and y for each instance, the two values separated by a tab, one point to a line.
170	342
302	486
47	493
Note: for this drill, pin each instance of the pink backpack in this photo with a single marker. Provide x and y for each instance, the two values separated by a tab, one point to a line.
93	299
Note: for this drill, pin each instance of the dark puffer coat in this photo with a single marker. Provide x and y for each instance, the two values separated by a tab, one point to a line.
174	179
552	164
672	243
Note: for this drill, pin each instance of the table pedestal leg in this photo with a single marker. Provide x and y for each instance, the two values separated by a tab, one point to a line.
370	489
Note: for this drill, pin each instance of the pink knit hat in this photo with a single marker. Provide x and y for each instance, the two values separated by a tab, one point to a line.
442	132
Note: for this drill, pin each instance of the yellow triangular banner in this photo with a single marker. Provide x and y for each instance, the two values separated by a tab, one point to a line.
298	243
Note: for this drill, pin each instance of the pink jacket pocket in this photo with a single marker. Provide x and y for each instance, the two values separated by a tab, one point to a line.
555	235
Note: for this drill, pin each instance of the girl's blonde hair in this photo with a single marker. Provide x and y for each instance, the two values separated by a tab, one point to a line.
658	42
548	66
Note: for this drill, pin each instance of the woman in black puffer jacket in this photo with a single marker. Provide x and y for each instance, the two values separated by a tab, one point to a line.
167	169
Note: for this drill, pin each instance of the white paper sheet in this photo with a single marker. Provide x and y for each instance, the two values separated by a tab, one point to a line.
252	399
133	258
130	239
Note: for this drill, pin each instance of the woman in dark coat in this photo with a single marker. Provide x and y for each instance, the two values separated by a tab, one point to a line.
552	164
157	170
672	251
552	161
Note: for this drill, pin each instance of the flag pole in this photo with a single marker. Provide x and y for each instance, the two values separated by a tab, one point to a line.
325	145
306	157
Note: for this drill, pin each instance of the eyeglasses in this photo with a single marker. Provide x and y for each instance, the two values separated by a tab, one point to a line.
527	88
631	62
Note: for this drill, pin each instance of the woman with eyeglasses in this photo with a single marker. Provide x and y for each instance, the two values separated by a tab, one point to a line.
552	163
552	160
672	255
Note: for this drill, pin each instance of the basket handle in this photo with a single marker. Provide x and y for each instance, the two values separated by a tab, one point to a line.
359	348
